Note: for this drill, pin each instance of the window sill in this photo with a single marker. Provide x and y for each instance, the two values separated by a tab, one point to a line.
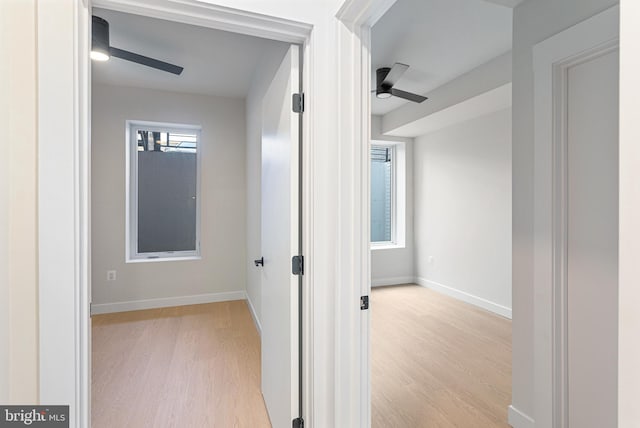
164	259
386	246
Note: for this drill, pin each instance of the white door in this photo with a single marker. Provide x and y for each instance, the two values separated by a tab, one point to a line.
592	241
280	241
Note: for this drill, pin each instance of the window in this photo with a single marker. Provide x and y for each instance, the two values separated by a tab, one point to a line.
163	191
381	193
388	199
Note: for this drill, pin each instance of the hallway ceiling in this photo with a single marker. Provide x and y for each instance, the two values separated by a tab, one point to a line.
439	39
215	62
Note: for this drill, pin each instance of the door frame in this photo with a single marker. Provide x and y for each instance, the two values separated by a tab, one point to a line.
64	181
63	206
356	17
552	58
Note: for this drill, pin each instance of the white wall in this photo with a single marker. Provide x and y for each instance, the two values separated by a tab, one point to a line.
261	80
390	266
462	217
629	292
4	213
222	268
18	208
533	21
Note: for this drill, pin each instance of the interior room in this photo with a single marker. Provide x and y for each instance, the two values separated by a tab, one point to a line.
176	224
441	229
65	200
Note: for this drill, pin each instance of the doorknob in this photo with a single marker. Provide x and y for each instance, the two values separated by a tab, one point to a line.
259	262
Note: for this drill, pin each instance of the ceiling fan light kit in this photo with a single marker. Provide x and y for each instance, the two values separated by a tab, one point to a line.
99	39
101	50
382	90
386	78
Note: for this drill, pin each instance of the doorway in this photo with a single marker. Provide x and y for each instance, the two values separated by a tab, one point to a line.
440	185
173	307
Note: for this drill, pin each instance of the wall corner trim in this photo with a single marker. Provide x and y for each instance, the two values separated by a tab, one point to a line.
165	302
465	297
518	419
254	315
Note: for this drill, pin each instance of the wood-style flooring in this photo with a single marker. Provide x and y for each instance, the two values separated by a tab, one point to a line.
437	362
183	367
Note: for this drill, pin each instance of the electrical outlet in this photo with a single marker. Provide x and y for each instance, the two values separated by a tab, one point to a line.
111	275
430	260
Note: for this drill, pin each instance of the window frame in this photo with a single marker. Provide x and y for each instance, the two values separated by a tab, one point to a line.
131	240
398	186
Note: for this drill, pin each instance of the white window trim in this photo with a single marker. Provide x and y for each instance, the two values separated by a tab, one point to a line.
131	250
398	195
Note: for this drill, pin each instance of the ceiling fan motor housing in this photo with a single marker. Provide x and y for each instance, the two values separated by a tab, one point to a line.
382	90
100	35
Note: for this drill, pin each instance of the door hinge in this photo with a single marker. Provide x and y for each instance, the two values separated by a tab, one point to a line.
298	103
297	265
364	303
298	423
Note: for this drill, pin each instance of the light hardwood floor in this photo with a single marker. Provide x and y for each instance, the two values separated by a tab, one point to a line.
437	362
185	367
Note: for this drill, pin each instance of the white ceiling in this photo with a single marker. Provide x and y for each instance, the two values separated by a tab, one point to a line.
439	39
215	62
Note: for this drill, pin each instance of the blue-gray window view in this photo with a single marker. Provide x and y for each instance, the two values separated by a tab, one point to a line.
381	193
167	186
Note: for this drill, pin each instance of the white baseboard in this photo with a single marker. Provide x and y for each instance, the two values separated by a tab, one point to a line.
465	297
381	282
256	321
517	419
164	302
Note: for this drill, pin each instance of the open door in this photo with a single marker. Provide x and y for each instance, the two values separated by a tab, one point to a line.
280	242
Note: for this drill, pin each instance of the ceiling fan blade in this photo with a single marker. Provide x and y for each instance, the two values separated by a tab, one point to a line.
395	74
144	60
407	95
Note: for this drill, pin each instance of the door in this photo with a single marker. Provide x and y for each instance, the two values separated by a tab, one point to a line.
280	241
592	241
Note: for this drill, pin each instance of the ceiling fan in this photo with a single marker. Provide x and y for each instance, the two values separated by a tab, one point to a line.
386	78
102	51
